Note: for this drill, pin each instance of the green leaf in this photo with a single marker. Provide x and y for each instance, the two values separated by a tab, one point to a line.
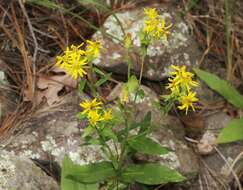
232	132
68	184
132	84
146	123
98	71
81	85
222	87
108	133
103	79
45	3
150	174
91	141
91	173
88	131
141	93
147	146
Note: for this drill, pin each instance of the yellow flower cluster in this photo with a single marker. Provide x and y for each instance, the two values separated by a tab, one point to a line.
75	60
94	112
181	84
155	26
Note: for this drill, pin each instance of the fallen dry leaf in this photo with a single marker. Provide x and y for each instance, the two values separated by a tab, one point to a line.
48	87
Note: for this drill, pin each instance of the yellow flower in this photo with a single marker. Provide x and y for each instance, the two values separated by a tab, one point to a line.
181	79
77	68
92	49
107	115
124	96
187	101
173	86
163	31
155	25
73	61
151	13
128	41
151	26
94	117
89	106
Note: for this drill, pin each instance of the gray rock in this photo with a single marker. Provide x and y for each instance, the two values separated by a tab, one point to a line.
3	83
224	155
181	49
18	173
53	134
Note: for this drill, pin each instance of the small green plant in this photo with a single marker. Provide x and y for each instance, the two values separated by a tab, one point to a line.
120	144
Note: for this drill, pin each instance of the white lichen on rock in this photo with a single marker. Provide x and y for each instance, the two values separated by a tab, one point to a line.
78	154
116	55
180	48
171	160
30	154
7	170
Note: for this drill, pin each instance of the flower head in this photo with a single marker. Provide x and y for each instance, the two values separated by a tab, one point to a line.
180	78
92	49
181	84
93	111
187	101
73	61
155	26
151	13
107	115
94	117
89	106
128	41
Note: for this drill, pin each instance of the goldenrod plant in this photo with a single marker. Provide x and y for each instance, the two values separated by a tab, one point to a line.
181	85
119	144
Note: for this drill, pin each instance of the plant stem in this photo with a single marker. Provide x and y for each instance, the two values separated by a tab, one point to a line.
104	143
129	62
228	27
144	53
142	65
123	144
92	79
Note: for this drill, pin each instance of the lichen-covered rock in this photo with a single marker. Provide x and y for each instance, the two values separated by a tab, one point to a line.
3	83
18	173
181	48
54	134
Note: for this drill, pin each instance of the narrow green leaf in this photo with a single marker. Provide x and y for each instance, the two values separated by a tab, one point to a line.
222	87
68	184
81	85
103	79
147	146
232	132
151	174
98	71
92	173
44	3
88	131
146	123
